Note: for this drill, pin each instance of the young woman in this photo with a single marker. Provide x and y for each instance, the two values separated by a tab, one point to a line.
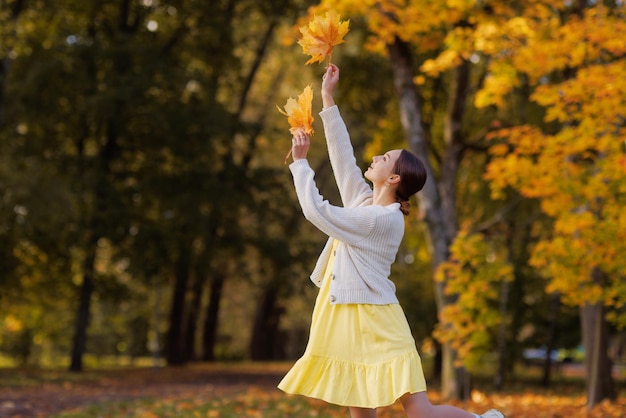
360	353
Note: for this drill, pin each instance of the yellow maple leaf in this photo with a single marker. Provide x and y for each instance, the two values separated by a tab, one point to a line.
321	35
299	113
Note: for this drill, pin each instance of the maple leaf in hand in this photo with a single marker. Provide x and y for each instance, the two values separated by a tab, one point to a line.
321	35
298	112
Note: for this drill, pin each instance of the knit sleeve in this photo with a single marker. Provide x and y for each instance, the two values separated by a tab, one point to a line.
349	225
353	188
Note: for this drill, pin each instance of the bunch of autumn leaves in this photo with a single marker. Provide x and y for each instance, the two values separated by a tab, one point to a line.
318	39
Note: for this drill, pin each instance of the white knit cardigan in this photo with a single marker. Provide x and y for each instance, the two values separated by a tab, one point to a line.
369	235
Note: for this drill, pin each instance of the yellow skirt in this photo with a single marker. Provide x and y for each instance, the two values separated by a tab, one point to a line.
357	355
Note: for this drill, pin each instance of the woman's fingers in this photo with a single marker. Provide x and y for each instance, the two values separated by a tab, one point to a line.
300	145
300	136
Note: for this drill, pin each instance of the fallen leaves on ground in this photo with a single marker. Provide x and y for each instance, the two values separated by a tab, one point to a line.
245	390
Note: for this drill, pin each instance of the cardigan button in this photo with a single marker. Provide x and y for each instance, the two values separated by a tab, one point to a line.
332	277
332	298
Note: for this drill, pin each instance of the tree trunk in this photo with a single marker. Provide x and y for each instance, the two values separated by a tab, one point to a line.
459	388
176	334
502	332
195	307
16	9
598	367
548	364
209	335
4	72
92	219
265	340
79	344
192	318
438	198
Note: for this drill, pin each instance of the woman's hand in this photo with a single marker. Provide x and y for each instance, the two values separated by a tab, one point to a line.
329	82
300	145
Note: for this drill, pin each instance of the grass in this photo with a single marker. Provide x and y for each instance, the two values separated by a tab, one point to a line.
252	403
34	377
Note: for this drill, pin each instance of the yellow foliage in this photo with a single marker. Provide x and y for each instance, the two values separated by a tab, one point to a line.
485	37
419	80
502	79
499	150
572	222
474	273
444	61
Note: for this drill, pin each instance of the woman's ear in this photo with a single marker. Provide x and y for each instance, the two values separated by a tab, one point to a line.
393	179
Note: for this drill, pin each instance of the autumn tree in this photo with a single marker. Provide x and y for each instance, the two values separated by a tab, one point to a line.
573	162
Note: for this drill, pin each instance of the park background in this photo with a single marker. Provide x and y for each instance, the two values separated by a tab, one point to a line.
148	219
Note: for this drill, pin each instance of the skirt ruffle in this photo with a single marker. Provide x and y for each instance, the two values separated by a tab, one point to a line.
352	384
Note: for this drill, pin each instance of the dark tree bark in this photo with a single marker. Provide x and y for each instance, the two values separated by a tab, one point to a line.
175	347
84	305
548	365
500	377
192	318
16	9
209	339
264	344
107	154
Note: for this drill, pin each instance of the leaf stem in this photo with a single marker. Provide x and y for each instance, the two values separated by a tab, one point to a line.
288	154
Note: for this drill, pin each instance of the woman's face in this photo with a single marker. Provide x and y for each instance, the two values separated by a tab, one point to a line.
382	166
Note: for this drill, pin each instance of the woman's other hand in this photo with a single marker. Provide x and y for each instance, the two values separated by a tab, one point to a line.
329	82
300	145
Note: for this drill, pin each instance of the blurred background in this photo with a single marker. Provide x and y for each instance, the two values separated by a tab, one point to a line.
147	216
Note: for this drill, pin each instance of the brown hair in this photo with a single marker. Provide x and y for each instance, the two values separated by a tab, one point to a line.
413	176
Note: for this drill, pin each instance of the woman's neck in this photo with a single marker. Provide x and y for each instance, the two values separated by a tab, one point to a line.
384	196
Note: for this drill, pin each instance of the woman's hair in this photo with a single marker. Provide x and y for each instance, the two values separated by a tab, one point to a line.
413	176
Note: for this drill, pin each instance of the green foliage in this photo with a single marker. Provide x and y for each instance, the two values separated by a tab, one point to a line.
125	129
